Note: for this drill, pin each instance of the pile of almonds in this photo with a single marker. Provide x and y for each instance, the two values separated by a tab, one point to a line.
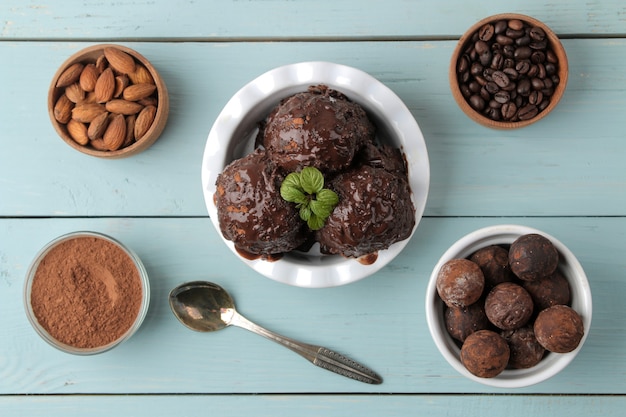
108	104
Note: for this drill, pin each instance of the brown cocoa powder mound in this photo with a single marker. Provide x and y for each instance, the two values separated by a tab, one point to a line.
86	292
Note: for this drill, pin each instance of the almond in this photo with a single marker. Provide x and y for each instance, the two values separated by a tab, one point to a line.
130	130
63	109
98	144
141	75
144	121
119	60
86	112
78	132
90	97
123	106
105	86
88	77
148	101
101	64
121	82
75	93
70	75
137	92
115	133
98	126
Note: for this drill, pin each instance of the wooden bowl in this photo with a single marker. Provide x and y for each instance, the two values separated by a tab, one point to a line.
463	49
59	116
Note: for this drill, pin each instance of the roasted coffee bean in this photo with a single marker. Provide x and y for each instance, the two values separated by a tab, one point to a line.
504	40
511	73
527	112
477	102
481	47
492	87
516	24
522	67
537	83
500	27
497	62
508	110
537	57
523	87
485	58
535	97
463	64
537	34
523	52
465	90
522	41
486	32
508	70
501	79
502	96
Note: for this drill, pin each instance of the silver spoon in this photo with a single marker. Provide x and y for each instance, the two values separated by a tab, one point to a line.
206	307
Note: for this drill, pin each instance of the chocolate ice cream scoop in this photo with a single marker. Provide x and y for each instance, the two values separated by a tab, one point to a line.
320	127
251	211
374	211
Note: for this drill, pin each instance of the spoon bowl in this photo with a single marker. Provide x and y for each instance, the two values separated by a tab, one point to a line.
206	307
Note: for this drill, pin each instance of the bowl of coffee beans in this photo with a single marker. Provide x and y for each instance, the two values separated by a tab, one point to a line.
508	306
508	71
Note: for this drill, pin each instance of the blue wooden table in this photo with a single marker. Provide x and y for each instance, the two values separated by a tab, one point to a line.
564	175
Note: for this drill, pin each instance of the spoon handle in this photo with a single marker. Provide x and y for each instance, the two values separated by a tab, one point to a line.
317	355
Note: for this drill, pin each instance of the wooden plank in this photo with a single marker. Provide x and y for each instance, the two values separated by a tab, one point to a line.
379	320
475	171
303	405
283	19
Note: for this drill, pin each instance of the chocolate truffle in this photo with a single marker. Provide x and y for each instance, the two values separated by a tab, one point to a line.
494	262
559	329
250	210
463	321
548	291
460	283
374	211
320	127
508	306
485	353
533	256
526	351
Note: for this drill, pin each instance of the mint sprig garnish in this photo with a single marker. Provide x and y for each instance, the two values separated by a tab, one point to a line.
306	189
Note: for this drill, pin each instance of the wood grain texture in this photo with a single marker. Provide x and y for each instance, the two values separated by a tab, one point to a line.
570	163
285	19
379	321
564	175
303	405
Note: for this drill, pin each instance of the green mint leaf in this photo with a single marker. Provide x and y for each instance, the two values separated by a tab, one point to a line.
315	222
320	209
305	212
291	190
328	198
311	180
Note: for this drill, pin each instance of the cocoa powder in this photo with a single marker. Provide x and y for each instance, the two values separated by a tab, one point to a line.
86	292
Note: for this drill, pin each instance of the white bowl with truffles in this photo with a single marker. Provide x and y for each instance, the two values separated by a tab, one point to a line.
508	306
315	174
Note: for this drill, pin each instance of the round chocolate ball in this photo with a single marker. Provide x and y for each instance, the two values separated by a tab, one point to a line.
463	321
526	351
460	283
508	306
533	256
548	291
494	262
559	329
485	353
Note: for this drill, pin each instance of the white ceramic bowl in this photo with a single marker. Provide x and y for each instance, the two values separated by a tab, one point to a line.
552	363
232	137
